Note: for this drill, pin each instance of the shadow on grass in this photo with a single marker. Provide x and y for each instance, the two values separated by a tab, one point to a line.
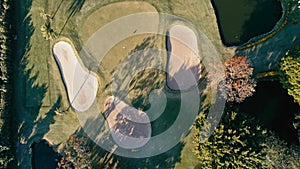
27	123
75	7
104	159
32	124
133	66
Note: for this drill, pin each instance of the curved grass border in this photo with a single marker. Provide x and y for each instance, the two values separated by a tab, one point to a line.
264	37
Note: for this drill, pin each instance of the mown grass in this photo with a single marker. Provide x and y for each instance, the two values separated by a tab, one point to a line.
74	20
37	58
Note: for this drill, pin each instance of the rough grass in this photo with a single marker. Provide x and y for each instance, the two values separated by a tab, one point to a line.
37	58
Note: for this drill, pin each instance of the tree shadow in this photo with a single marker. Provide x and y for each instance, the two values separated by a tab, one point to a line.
28	123
75	7
43	123
43	155
104	159
139	58
107	159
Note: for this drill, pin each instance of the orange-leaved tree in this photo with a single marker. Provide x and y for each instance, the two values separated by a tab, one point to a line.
238	82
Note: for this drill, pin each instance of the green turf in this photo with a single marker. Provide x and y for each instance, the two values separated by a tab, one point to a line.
37	60
68	22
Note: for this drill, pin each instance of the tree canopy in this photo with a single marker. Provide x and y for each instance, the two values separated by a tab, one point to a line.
290	78
235	143
279	155
238	82
290	73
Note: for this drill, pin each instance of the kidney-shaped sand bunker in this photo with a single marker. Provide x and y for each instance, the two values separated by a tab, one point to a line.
81	85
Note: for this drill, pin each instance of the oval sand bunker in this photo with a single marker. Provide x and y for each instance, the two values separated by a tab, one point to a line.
129	127
183	61
81	85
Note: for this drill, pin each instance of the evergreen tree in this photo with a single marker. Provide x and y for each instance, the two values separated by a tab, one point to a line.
235	143
290	78
290	74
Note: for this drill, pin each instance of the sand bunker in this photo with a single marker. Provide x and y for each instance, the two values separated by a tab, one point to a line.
183	61
81	85
129	127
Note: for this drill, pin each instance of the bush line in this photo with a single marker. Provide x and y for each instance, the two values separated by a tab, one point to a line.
6	82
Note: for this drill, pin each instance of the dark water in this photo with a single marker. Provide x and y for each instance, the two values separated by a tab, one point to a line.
43	156
274	108
240	20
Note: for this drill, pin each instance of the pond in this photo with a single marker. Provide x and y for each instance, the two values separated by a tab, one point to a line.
274	108
241	20
43	156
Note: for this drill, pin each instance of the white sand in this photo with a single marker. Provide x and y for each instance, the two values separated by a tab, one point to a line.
81	85
129	127
183	62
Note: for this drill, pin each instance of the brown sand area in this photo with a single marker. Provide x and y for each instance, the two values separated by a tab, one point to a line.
183	67
129	127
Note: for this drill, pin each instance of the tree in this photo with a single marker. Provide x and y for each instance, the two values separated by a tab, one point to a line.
290	78
290	74
76	154
235	143
238	83
5	158
279	155
47	31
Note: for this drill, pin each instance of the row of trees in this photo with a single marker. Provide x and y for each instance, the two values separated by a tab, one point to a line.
239	142
5	82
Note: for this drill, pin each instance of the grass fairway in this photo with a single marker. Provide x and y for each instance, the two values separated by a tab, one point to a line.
78	20
104	15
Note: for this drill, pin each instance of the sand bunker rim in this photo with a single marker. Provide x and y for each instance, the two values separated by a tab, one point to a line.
175	42
81	85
